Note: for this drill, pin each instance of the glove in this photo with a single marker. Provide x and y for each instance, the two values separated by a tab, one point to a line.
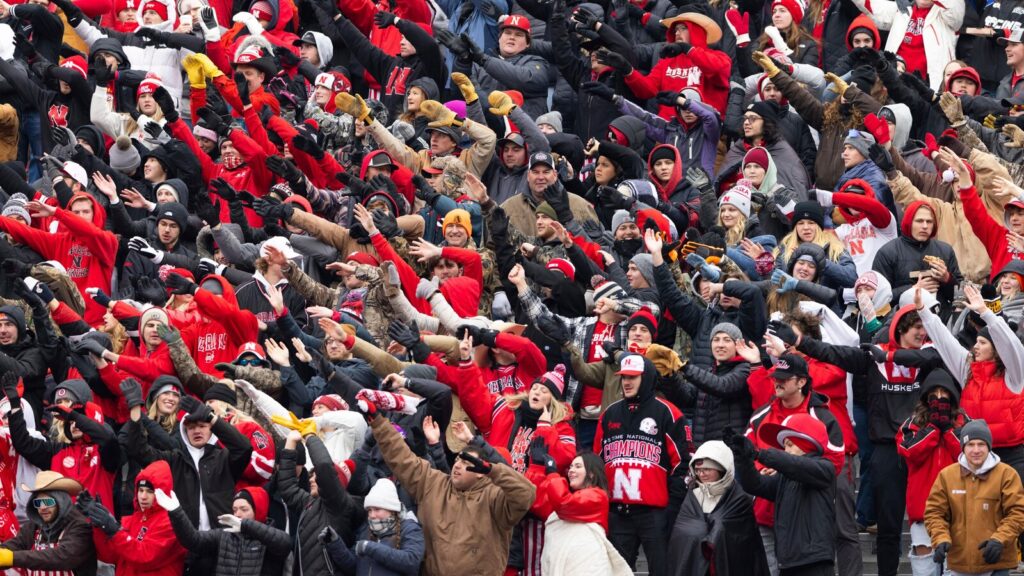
242	85
558	198
879	128
991	550
224	190
839	85
150	290
91	346
501	103
385	19
466	87
674	49
153	129
490	9
271	208
385	401
610	348
132	391
474	332
783	332
305	426
439	115
952	108
766	63
539	455
740	26
585	19
931	147
156	36
166	501
207	210
424	191
327	535
500	306
354	106
778	42
308	145
452	42
99	296
881	157
38	289
208	22
180	285
71	12
426	288
475	464
214	122
230	522
194	70
784	281
386	223
208	266
740	445
201	413
102	518
168	333
59	136
940	413
140	245
189	403
554	329
406	335
697	177
284	168
613	200
9	381
473	52
599	89
1014	135
361	547
166	102
286	57
939	554
615	61
877	354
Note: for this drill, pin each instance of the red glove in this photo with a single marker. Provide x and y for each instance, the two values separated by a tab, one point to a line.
879	128
931	147
740	26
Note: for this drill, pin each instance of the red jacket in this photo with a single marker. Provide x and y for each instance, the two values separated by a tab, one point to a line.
927	451
85	249
146	365
991	233
554	496
146	544
508	379
261	463
223	329
82	460
986	397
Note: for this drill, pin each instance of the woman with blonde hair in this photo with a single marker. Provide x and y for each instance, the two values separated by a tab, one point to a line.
809	226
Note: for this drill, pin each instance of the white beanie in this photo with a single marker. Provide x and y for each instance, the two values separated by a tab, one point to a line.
738	196
383	495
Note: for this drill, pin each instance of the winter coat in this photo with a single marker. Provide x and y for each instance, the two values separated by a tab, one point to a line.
897	259
471	529
791	173
531	75
721	397
803	489
333	506
967	508
833	32
382	557
695	145
224	327
940	31
28	357
66	546
522	215
504	182
987	231
868	171
145	545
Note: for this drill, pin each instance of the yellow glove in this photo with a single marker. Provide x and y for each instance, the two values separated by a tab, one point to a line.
840	84
354	106
194	68
306	426
6	558
465	86
990	121
210	69
440	116
766	64
665	360
501	103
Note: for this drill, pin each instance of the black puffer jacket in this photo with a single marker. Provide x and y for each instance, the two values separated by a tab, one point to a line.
29	356
258	549
721	397
333	506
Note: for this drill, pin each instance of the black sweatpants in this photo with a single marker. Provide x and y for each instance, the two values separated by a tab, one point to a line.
890	475
630	526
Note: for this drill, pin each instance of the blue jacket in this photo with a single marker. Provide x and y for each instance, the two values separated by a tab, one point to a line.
482	30
872	174
381	558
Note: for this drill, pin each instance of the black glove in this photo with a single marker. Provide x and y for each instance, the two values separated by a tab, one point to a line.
667	98
940	413
783	332
611	348
27	50
101	72
384	19
424	191
201	413
209	17
453	42
71	12
475	464
156	36
615	61
9	381
539	455
877	354
384	183
153	130
246	199
327	535
206	267
553	329
359	234
242	85
740	445
39	290
214	122
599	89
939	554
308	145
991	550
475	333
286	57
673	49
132	392
102	518
357	186
271	208
91	346
284	168
189	403
386	224
14	268
223	189
59	136
585	18
473	52
880	156
613	199
101	298
557	196
407	336
207	210
150	290
180	285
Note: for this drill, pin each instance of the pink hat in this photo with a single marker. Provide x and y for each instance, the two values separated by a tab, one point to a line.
555	381
149	85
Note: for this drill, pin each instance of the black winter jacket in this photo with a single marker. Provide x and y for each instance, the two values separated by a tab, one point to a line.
258	549
30	356
721	397
904	255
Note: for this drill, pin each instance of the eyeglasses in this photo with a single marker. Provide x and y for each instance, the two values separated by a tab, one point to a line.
701	471
751	119
45	502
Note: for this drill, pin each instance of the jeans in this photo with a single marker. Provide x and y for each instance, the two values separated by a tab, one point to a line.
768	540
866	495
30	144
630	526
890	505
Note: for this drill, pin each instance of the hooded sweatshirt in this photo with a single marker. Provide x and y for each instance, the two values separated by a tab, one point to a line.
223	329
711	493
146	544
85	249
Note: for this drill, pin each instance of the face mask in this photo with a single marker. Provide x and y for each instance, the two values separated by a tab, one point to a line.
232	162
628	248
381	527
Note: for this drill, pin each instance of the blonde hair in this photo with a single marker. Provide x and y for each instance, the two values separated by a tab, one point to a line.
736	233
558	410
166	421
118	337
825	239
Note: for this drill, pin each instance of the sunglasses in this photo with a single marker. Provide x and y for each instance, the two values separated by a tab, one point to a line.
248	362
45	502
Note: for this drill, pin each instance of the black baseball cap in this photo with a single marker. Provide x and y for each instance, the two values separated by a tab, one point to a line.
541	158
790	365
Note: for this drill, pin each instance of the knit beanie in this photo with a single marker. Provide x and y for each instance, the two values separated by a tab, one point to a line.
15	207
644	317
154	313
662	153
173	211
458	217
621	217
564	266
644	264
331	402
223	392
553	119
730	330
555	381
860	141
809	210
757	155
739	196
383	495
124	157
75	389
606	289
546	209
975	430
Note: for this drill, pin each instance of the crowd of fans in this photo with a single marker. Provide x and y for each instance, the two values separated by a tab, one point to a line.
485	287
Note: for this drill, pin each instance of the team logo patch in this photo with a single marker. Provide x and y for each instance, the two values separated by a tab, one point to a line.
648	426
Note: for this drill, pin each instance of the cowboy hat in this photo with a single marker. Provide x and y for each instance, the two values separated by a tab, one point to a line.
714	32
508	327
49	480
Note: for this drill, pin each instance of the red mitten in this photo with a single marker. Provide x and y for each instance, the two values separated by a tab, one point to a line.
879	128
740	26
931	147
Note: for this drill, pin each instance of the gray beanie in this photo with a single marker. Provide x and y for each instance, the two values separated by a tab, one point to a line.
730	329
621	217
16	207
861	142
645	266
975	430
123	156
553	119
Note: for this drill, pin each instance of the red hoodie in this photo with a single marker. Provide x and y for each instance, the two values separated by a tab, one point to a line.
82	461
146	544
85	249
224	327
401	176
